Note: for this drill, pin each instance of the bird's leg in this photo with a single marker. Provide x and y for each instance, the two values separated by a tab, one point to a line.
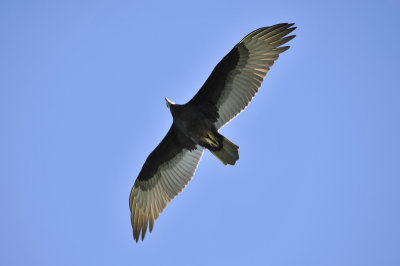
211	140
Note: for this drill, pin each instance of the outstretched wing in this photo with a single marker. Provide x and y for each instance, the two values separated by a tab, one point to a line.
238	76
165	173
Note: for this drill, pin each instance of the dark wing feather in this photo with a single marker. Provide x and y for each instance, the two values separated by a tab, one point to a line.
165	173
238	76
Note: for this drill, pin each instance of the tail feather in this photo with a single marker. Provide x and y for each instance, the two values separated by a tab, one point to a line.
229	153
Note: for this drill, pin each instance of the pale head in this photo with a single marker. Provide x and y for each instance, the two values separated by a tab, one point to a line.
169	103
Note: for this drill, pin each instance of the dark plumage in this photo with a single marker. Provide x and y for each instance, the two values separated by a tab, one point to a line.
227	91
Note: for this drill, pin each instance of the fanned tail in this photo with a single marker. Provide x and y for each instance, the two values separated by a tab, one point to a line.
229	153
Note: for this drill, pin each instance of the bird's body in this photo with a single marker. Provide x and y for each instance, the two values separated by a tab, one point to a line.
227	91
198	128
191	121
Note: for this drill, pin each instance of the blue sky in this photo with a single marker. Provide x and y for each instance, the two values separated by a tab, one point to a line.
82	87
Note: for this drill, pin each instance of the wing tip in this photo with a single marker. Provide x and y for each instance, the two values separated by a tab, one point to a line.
289	38
138	233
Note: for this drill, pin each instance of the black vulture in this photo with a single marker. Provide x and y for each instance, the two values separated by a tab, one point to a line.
227	91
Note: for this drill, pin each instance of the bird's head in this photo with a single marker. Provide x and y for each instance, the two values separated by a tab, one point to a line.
169	103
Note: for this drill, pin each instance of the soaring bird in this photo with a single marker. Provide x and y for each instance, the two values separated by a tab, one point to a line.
227	91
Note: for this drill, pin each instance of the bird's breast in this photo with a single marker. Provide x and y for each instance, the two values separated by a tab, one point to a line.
193	124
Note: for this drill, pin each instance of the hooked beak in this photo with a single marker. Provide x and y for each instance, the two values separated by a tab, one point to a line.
169	103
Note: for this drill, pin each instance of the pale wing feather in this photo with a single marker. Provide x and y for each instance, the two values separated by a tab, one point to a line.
258	52
149	198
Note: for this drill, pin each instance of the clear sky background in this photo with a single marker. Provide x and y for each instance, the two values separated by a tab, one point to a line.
82	87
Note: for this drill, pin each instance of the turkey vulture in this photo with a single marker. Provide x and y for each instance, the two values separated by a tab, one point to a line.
227	91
